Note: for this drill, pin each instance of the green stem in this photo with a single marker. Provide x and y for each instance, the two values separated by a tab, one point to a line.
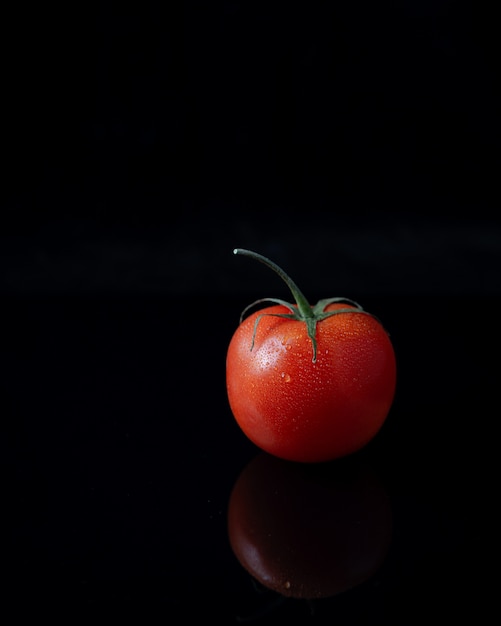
303	305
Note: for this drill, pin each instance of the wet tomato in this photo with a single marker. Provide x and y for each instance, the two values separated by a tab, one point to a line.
309	383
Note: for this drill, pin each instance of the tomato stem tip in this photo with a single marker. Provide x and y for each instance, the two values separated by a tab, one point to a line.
302	303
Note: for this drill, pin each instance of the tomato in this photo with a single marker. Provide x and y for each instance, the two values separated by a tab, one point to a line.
309	383
306	533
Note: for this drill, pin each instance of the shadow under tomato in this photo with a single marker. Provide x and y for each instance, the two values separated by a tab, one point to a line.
309	531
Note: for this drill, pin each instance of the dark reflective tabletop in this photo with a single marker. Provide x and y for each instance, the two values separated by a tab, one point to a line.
127	487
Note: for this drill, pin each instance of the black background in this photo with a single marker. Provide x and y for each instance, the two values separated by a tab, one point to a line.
355	144
359	142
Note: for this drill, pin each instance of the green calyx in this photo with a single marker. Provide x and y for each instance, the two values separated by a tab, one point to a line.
301	311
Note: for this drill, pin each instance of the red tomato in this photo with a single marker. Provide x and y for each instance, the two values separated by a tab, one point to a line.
306	533
310	384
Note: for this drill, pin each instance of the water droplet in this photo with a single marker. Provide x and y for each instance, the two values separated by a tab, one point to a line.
286	377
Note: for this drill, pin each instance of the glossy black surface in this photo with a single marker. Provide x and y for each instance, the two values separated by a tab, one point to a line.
119	456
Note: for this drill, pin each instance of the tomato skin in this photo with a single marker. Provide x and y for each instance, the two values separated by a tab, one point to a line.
308	411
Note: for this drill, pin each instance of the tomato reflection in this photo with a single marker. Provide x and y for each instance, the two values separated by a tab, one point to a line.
309	531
